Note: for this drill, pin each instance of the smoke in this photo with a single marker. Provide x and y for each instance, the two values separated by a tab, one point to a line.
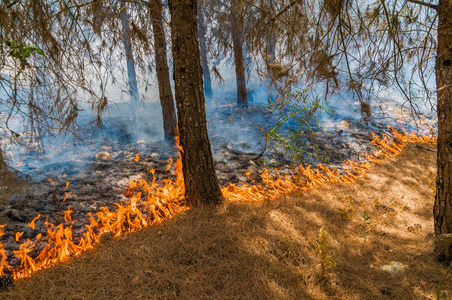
243	130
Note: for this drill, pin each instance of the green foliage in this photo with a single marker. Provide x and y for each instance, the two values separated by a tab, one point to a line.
364	229
298	118
21	52
327	262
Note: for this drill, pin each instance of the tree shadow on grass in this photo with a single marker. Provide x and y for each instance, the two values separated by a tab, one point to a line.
264	250
243	251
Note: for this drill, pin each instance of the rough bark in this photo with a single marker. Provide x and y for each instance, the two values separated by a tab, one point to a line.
133	86
3	170
237	44
9	181
4	176
443	201
163	76
201	183
203	48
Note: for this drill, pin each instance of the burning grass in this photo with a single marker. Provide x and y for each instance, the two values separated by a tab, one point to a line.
151	203
267	249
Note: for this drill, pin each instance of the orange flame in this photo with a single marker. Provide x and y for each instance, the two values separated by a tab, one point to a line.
18	235
170	163
308	178
67	215
52	182
151	203
66	195
3	261
27	263
32	223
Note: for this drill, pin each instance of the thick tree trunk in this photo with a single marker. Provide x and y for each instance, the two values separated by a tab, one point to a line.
3	171
4	176
443	201
163	77
9	182
133	86
201	183
203	48
237	44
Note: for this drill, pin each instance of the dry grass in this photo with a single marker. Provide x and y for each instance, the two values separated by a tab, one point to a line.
267	250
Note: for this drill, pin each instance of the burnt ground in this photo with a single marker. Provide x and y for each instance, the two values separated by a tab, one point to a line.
79	179
269	249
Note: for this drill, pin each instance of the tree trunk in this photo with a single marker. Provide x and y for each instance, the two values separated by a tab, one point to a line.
270	59
442	210
270	48
203	48
3	172
201	183
9	181
3	179
163	77
237	44
133	86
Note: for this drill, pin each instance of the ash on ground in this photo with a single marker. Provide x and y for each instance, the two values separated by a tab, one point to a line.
85	175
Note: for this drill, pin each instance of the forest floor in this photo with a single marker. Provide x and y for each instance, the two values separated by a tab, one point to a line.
267	250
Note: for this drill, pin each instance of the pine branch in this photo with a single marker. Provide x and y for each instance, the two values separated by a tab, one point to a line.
11	4
434	6
284	10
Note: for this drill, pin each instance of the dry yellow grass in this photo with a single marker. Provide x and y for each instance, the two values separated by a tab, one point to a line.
267	250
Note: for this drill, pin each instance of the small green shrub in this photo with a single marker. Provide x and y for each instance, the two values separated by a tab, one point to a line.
364	228
298	118
326	260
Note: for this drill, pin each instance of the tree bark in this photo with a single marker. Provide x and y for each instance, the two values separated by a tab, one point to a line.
442	210
270	48
270	59
163	77
203	48
3	171
201	183
9	182
3	179
133	86
237	44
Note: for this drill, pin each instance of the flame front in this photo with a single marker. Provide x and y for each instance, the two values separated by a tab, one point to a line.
152	203
309	178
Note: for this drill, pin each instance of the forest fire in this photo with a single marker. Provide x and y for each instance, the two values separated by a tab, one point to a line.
152	202
308	178
94	93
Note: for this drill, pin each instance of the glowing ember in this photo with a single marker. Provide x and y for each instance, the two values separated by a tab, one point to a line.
151	203
66	195
52	182
32	223
18	235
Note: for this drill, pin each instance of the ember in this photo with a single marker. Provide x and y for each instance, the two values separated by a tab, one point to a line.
152	202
